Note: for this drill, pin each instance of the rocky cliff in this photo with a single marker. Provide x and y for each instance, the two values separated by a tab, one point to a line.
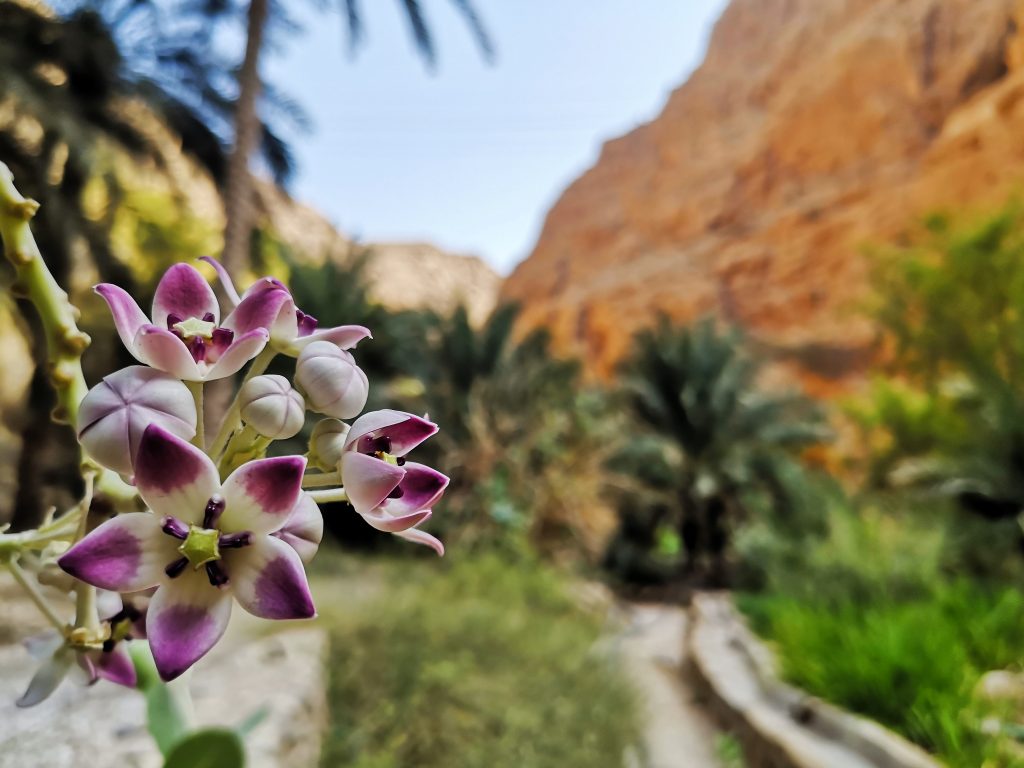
812	128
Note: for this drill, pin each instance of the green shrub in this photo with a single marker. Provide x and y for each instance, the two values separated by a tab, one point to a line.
911	665
484	664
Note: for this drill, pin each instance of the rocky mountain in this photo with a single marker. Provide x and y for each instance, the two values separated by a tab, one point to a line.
812	128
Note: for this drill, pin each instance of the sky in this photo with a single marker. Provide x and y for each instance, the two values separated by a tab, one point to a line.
471	156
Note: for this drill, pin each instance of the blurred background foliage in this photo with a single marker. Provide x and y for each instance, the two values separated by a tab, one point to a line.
889	586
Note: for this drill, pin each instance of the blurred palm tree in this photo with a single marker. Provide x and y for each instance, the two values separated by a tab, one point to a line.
258	13
706	445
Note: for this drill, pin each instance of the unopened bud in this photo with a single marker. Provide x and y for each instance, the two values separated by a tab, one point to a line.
272	407
327	443
333	383
115	413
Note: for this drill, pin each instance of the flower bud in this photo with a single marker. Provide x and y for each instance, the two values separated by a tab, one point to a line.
327	443
272	407
115	413
333	383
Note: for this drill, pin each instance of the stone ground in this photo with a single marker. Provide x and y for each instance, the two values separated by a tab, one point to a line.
105	724
678	733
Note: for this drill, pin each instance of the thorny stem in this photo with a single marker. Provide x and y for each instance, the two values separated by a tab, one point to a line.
331	494
320	479
196	388
37	597
231	418
33	281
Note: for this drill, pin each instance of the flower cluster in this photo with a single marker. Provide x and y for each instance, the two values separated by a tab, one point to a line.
223	522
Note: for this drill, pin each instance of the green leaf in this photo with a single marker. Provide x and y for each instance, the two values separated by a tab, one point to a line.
166	719
212	748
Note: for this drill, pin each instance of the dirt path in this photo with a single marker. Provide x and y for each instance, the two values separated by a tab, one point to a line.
679	734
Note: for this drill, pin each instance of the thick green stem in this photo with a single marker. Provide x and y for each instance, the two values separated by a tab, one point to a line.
64	341
331	494
320	479
231	418
33	281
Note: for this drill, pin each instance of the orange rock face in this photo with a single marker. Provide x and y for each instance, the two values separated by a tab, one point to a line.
812	129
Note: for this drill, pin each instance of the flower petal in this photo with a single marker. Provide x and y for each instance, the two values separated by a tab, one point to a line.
383	521
405	430
305	528
225	279
183	291
47	678
421	488
186	618
116	666
422	537
128	318
161	349
125	554
174	477
368	480
260	495
272	310
269	581
243	349
343	336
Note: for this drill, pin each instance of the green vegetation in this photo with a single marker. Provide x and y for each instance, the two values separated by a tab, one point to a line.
484	664
705	448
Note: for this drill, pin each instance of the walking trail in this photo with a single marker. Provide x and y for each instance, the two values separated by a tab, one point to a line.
678	733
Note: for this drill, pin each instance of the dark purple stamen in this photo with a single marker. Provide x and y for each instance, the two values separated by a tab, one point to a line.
221	339
234	540
172	526
375	445
173	319
198	349
397	493
208	317
217	576
400	460
214	507
174	570
305	323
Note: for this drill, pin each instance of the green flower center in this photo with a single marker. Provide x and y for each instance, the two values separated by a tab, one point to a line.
201	546
195	328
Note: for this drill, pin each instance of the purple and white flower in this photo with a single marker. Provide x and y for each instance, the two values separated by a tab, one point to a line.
291	329
205	544
115	413
106	659
391	494
185	336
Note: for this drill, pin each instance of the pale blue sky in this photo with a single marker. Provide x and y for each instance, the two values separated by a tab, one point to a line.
471	157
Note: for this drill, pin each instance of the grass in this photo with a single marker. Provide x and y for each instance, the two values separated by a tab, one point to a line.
909	664
473	664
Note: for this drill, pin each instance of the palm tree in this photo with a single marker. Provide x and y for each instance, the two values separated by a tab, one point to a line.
238	186
68	78
706	442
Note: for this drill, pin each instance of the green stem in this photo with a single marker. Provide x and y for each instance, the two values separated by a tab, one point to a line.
36	596
231	418
196	388
65	343
320	479
331	494
86	615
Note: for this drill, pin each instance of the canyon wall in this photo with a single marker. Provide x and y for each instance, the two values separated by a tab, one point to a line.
813	129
